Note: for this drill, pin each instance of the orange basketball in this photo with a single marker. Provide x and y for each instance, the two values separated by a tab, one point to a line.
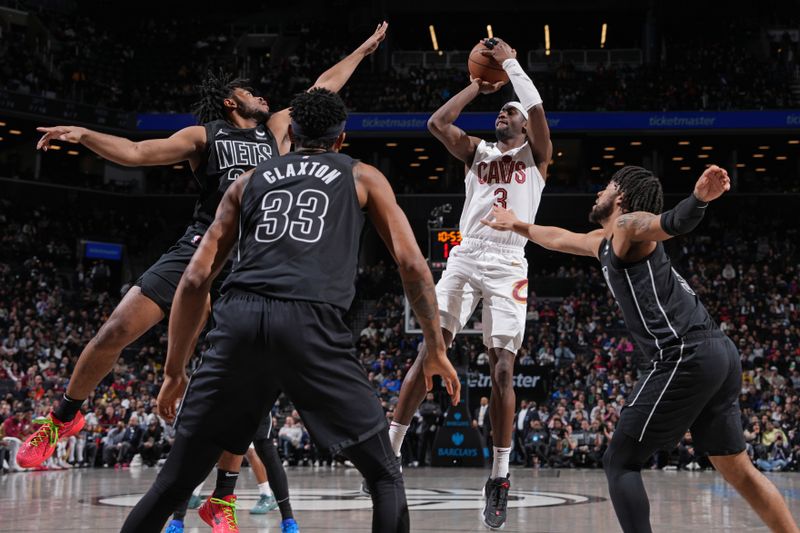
483	67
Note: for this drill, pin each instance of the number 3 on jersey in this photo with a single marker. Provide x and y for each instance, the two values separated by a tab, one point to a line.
502	197
304	217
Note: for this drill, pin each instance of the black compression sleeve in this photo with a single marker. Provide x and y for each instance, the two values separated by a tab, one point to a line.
684	217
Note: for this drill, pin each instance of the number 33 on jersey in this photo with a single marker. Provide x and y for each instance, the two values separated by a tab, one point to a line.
301	218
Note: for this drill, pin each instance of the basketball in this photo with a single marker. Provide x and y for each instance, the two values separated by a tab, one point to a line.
483	67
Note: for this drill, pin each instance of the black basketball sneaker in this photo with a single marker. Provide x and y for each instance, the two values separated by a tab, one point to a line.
495	494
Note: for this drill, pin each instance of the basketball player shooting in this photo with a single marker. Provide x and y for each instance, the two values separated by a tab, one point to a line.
696	375
489	264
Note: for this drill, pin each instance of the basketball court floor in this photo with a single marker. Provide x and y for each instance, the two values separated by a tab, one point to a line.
441	500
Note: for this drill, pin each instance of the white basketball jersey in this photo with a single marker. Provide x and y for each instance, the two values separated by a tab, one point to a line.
509	179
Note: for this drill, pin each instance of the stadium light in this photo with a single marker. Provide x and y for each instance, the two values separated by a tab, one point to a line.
781	157
603	35
619	164
761	169
636	143
677	158
609	148
706	148
423	157
489	31
433	178
15	132
702	156
419	149
765	147
547	39
683	143
758	156
54	147
434	41
72	152
439	169
595	168
177	167
2	124
686	168
391	145
414	165
794	141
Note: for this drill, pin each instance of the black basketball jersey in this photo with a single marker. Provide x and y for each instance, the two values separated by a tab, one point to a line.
299	230
230	152
658	305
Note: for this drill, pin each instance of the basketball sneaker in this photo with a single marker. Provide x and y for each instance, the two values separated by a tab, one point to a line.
220	514
495	493
265	504
290	526
40	446
174	526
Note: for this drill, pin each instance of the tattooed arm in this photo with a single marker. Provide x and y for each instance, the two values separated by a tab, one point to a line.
375	193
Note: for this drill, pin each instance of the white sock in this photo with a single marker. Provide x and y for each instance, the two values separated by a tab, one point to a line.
264	490
397	432
197	489
500	464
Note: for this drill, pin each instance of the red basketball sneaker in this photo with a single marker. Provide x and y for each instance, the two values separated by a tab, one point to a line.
220	514
40	446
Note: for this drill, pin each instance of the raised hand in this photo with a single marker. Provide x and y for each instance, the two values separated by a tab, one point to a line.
371	44
72	134
498	49
713	183
486	87
504	219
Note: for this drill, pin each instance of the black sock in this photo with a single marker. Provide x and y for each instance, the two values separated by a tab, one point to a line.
67	409
226	483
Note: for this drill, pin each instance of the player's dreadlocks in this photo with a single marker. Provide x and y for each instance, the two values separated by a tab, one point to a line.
317	117
213	91
640	190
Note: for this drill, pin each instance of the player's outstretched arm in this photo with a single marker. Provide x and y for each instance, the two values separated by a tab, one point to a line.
376	194
550	237
641	226
336	77
537	130
332	79
441	124
186	144
189	306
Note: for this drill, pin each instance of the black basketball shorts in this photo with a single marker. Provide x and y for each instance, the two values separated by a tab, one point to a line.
262	346
160	281
696	388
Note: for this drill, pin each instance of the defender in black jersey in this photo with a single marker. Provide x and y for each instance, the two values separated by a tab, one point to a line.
292	226
696	375
238	133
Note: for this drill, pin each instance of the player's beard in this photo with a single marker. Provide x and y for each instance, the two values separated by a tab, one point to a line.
503	133
253	112
601	212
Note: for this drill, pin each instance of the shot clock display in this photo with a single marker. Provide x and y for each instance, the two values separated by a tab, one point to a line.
441	242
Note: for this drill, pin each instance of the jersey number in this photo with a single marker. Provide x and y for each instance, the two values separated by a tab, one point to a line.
502	197
303	217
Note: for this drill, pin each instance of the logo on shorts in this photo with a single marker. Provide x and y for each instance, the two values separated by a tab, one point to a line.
196	239
520	291
320	500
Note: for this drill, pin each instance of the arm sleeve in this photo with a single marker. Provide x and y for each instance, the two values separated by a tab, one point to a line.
684	217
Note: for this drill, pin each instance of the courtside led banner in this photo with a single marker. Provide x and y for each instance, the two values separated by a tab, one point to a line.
559	121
